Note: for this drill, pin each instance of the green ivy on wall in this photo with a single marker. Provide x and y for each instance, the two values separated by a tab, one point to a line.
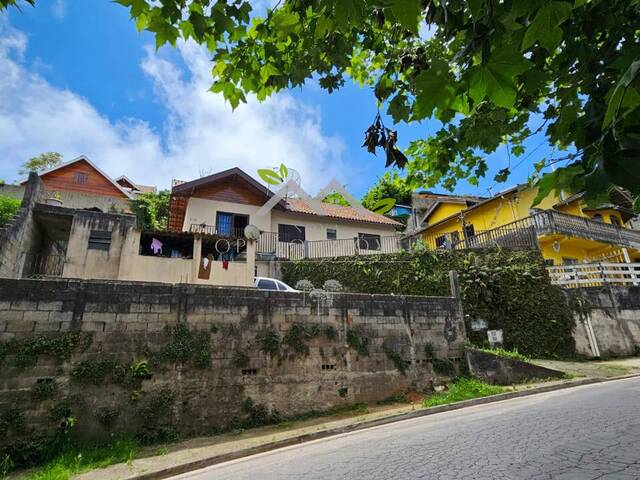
509	289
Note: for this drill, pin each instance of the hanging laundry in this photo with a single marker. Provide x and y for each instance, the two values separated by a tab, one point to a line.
205	262
156	246
225	264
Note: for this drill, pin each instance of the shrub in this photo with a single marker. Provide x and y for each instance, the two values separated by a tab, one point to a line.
510	289
9	206
463	389
501	352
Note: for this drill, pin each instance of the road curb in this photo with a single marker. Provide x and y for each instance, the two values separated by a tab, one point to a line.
221	458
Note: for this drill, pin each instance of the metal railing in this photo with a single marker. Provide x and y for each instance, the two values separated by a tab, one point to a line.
278	246
38	266
595	274
523	233
550	221
205	229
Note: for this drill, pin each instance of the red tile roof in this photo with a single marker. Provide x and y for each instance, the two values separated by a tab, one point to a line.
297	205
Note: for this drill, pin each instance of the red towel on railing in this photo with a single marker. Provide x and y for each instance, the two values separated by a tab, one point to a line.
225	264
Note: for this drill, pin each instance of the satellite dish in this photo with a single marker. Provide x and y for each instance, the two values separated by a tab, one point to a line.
556	246
252	232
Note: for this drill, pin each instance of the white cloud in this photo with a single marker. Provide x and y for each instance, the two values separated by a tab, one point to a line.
200	132
59	9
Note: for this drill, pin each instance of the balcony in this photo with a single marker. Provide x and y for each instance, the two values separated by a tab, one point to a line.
274	245
524	232
215	230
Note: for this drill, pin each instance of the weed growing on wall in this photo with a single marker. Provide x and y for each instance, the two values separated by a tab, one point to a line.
509	289
184	346
155	417
240	359
99	371
357	340
59	347
107	416
297	336
44	389
269	341
396	358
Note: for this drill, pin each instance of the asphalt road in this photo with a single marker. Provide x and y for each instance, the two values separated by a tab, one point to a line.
581	433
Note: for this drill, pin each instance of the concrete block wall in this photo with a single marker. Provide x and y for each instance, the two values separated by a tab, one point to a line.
21	236
612	313
75	199
127	323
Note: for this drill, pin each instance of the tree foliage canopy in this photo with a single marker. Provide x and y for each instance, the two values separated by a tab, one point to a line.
492	72
42	162
152	210
390	185
9	206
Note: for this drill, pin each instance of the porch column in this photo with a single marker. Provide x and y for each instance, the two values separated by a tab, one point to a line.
197	253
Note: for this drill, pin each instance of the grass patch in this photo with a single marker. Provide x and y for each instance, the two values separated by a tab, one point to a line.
501	352
394	399
78	460
463	389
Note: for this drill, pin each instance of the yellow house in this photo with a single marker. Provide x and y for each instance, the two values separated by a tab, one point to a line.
565	229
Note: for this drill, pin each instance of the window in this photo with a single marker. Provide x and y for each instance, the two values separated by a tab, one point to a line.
266	284
368	241
597	217
291	233
469	230
99	240
231	224
615	220
281	286
81	178
446	240
569	261
332	234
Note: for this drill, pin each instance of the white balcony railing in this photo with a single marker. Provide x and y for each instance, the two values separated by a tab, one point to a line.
595	274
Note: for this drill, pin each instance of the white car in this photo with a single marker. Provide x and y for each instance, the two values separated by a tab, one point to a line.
264	283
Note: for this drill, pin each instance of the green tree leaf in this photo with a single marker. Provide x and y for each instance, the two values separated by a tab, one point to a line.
496	79
399	108
434	89
545	26
619	93
406	12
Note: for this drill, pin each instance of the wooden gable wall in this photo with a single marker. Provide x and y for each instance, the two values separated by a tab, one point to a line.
232	190
80	177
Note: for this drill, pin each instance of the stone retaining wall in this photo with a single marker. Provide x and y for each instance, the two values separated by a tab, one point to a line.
207	351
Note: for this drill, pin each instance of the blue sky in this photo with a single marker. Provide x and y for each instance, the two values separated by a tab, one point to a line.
76	77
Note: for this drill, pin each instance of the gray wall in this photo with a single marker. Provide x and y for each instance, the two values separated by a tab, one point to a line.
127	322
21	236
613	315
75	199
